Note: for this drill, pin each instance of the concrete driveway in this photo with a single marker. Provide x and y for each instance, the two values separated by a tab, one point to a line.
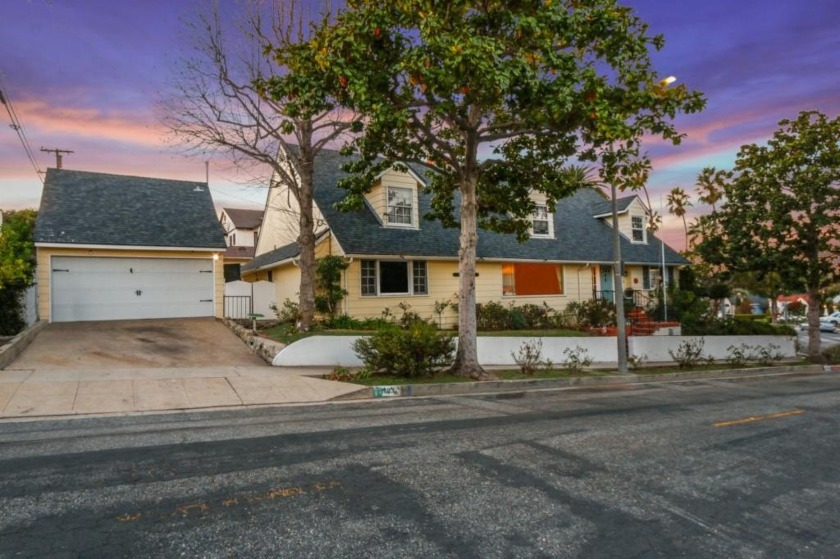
148	344
136	366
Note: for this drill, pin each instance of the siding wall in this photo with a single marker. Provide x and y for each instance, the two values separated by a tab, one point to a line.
443	285
625	225
280	221
43	271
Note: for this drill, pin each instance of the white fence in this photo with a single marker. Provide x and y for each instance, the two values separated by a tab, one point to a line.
243	298
330	351
29	299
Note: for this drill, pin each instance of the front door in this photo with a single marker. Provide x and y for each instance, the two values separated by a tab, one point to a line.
606	281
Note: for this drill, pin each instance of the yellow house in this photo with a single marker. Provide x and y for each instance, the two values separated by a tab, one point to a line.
112	247
395	256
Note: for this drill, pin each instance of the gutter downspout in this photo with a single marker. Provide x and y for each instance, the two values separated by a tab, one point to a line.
344	273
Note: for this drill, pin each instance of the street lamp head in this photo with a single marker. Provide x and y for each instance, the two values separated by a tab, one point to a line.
668	81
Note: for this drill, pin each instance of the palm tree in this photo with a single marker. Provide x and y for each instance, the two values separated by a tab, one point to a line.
678	204
710	184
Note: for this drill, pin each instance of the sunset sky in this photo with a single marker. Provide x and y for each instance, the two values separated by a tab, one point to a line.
84	75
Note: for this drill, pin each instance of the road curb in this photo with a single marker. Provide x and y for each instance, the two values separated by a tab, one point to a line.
502	386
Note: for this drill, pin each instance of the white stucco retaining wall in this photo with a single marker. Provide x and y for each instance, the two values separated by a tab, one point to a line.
656	348
329	351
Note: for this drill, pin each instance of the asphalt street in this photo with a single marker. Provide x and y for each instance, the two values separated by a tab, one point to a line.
685	469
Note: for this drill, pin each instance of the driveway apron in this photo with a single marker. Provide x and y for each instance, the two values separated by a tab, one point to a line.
147	366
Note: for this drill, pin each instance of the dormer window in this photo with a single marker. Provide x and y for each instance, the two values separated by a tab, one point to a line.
541	222
400	206
638	228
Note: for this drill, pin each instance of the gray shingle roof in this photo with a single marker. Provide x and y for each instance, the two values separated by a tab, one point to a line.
243	218
80	207
605	207
276	255
579	237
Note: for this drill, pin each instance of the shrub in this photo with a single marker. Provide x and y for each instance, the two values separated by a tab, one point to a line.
593	313
343	374
737	355
576	359
529	357
637	361
328	290
413	352
539	317
832	355
11	310
492	316
763	355
747	326
343	322
689	353
289	312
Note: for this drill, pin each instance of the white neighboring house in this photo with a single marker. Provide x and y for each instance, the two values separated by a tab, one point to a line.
242	229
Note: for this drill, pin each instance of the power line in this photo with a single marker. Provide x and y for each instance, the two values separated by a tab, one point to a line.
17	126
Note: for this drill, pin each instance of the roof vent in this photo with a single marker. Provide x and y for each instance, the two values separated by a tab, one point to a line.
198	189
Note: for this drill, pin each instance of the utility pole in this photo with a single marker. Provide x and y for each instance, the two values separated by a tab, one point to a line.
58	156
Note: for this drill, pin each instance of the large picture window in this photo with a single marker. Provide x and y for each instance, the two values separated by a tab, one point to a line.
400	206
394	277
532	279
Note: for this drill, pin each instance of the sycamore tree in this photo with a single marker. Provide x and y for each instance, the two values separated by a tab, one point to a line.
495	98
781	217
240	92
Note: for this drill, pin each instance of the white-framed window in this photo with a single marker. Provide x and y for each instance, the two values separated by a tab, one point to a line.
651	277
637	225
394	277
400	206
541	222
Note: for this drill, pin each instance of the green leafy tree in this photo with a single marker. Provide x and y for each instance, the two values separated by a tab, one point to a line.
17	267
782	211
240	92
495	98
17	248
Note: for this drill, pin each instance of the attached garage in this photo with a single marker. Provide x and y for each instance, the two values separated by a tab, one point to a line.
114	247
130	288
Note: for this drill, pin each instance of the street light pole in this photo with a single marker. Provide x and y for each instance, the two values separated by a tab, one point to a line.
620	323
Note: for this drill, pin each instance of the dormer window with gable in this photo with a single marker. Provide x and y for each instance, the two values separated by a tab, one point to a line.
541	222
400	206
637	224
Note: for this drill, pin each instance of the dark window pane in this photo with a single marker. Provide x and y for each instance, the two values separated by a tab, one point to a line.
393	277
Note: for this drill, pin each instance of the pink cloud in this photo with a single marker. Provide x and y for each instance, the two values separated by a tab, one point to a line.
42	118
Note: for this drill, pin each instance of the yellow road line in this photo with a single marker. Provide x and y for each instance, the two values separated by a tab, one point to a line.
754	418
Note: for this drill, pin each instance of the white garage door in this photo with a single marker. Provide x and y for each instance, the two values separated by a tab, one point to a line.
128	288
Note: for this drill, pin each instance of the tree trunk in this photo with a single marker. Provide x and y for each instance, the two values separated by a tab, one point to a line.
814	302
306	235
466	358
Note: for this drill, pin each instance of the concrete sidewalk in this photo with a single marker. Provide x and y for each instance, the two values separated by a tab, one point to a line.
29	393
